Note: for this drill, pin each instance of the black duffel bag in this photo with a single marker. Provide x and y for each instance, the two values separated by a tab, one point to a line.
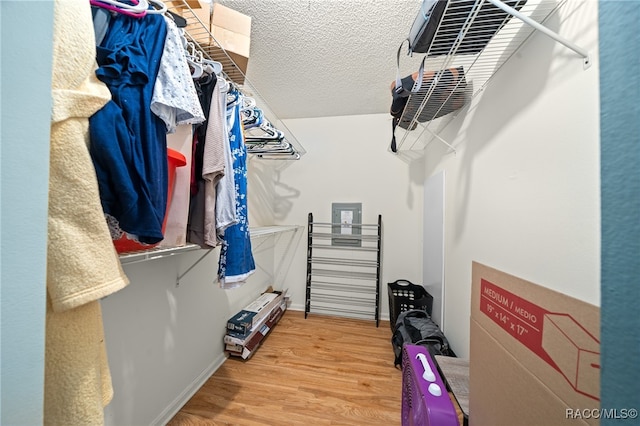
441	92
416	327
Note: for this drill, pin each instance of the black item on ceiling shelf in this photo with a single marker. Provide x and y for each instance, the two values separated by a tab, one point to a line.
440	23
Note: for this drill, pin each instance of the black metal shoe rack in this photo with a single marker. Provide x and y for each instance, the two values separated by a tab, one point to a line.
343	269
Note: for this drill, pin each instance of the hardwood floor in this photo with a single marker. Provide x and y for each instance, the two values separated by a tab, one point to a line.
316	371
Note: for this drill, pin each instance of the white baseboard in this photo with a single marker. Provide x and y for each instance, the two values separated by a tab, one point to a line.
173	408
296	307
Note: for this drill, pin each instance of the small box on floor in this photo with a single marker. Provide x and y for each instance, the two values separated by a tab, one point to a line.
246	347
242	322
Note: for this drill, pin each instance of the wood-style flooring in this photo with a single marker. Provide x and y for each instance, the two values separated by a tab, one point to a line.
317	371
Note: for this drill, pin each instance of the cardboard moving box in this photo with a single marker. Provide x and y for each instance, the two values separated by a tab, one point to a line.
535	354
232	30
199	23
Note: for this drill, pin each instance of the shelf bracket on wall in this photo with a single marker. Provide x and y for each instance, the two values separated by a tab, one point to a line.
557	37
437	136
192	266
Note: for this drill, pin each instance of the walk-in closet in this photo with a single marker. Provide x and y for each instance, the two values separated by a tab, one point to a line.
351	212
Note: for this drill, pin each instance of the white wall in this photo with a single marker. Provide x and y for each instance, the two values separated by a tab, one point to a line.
165	339
522	192
347	160
521	195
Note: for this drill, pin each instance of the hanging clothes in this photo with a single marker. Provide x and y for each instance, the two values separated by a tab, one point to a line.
128	141
213	164
205	86
226	189
82	265
175	99
236	261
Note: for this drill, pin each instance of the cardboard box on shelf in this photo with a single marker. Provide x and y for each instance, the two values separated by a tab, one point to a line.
199	23
535	353
242	322
232	30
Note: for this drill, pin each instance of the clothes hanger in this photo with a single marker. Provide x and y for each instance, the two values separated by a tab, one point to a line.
162	8
274	143
224	84
284	147
252	117
248	102
137	9
275	156
208	65
215	67
197	70
233	95
177	19
269	133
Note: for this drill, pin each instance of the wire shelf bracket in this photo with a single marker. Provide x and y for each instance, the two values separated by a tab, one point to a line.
557	37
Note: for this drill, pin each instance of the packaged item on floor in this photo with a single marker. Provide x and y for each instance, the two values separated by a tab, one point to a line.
247	347
242	322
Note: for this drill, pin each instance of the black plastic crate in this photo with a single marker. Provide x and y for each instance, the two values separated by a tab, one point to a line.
404	296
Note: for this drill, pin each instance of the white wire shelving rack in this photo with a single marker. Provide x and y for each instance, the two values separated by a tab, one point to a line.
198	33
518	25
343	279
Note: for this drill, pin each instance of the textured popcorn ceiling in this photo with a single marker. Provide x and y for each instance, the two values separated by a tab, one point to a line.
315	58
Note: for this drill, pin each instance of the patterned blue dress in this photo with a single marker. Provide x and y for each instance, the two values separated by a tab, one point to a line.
236	257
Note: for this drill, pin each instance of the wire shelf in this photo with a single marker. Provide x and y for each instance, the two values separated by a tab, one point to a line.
198	33
461	25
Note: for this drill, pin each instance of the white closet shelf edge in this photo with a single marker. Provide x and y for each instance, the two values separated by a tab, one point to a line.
162	252
273	229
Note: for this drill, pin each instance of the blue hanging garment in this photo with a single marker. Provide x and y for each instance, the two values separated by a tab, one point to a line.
128	142
236	258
